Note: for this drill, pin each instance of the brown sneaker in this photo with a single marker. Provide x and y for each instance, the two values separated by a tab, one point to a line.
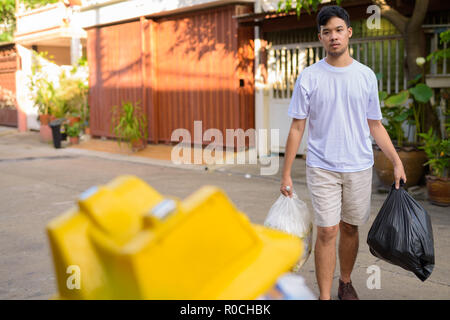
346	291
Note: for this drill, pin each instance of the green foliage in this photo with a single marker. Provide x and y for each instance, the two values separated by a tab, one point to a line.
129	123
421	92
6	36
42	90
441	54
382	95
8	8
68	97
395	112
74	130
397	99
8	18
72	96
287	5
415	81
7	11
438	153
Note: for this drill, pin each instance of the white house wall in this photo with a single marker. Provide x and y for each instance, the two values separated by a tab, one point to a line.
114	11
23	92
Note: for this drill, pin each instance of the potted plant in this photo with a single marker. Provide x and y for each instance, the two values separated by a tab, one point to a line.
73	131
73	92
130	124
44	99
43	94
438	154
412	109
401	111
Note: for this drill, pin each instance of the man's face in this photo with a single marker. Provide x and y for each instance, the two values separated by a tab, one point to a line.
335	36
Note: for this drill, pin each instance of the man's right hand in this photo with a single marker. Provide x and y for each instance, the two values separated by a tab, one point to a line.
286	182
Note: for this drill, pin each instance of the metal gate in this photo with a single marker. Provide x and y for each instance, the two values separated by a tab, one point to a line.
384	55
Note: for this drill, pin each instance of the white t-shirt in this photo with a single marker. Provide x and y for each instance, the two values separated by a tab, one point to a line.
337	102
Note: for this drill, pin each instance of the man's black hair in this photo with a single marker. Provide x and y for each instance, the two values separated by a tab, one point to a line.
328	12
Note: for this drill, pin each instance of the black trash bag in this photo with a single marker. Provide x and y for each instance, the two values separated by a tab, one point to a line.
402	234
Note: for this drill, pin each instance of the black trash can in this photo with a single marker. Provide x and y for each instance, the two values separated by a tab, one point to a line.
56	131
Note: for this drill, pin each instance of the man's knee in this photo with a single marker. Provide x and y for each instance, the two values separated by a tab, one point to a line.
349	229
327	234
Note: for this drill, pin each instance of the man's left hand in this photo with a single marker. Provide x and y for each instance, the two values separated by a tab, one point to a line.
399	173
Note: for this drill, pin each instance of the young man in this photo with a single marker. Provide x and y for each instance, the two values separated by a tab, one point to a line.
339	96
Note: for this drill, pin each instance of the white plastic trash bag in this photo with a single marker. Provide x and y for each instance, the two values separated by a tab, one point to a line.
292	216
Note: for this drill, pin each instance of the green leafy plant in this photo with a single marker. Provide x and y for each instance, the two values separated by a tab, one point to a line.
395	112
438	153
72	96
422	94
74	130
42	90
68	96
287	5
443	53
8	15
129	123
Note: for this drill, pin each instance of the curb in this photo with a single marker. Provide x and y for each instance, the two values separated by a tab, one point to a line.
135	159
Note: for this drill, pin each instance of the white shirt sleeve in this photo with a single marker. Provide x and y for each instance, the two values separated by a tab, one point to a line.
299	105
373	108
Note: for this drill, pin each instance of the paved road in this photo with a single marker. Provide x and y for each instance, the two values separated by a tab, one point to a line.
38	183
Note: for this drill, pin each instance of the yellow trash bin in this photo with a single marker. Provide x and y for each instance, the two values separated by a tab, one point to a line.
124	240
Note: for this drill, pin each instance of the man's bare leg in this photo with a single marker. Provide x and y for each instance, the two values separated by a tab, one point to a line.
325	259
348	249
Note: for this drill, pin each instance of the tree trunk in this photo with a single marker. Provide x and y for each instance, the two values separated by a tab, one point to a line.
411	29
415	44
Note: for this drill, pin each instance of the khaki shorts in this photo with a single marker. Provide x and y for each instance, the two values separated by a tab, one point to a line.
337	196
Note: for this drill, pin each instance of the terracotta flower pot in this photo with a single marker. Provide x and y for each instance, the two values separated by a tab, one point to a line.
137	145
438	190
44	119
412	159
73	120
74	140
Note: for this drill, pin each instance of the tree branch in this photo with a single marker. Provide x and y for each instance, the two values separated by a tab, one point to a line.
394	17
420	10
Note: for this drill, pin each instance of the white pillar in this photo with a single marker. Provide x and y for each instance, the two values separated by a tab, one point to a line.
261	113
76	48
